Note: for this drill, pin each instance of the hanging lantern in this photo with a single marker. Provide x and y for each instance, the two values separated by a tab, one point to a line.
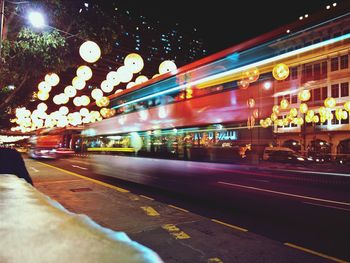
274	116
84	112
90	51
106	86
280	71
251	75
78	83
345	115
134	62
166	66
118	91
96	94
103	102
42	107
285	121
52	79
304	95
339	114
84	100
56	100
310	113
141	79
322	110
44	86
284	104
347	105
293	112
77	101
308	118
42	95
113	78
63	110
130	85
303	108
124	74
155	75
243	84
84	72
70	91
330	102
275	109
251	103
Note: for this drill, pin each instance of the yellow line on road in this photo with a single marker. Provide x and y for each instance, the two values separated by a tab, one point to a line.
150	211
181	209
316	253
87	178
229	225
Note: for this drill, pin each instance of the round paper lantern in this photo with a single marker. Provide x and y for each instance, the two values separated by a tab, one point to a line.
130	84
293	112
90	51
63	98
303	107
63	110
251	103
310	113
52	79
141	79
275	109
70	91
134	62
113	78
44	86
78	83
155	75
166	66
124	74
347	105
84	112
84	72
103	102
77	101
96	94
280	71
243	84
330	102
56	99
41	106
106	86
118	91
284	104
251	75
84	100
304	95
42	95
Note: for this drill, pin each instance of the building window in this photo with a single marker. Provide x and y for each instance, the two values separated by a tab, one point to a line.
294	73
335	90
344	62
324	93
317	94
344	89
317	71
334	120
345	121
294	98
324	70
334	64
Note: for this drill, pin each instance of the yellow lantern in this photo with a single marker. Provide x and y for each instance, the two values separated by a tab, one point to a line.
308	118
344	115
134	62
84	72
338	114
293	112
251	75
70	91
347	105
251	103
42	95
274	116
90	51
275	109
304	95
330	102
285	122
322	110
303	107
310	113
280	71
52	79
300	121
166	66
243	84
103	102
284	104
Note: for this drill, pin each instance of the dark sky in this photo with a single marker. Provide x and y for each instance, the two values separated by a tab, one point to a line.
226	23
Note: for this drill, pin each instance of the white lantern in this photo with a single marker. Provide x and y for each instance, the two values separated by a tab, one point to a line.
63	98
84	100
77	101
84	72
63	110
166	66
70	91
113	78
52	79
124	74
134	62
106	86
141	79
90	51
118	91
42	95
84	112
78	83
130	84
44	86
96	94
41	106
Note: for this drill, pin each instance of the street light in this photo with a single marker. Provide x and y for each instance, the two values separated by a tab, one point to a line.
36	19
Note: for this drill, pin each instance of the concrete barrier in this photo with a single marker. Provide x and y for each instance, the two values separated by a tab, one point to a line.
35	229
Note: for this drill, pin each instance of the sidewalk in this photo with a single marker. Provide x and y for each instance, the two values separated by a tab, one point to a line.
177	235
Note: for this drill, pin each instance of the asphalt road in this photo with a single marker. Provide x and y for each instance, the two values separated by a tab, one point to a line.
306	209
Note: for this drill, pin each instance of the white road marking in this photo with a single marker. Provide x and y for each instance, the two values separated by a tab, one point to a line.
329	206
35	170
76	166
286	194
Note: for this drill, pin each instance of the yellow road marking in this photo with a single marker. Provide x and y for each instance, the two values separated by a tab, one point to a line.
316	253
87	178
181	209
149	198
175	231
229	225
150	211
212	260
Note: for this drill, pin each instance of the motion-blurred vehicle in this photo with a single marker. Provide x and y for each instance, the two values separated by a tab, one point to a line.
268	151
288	157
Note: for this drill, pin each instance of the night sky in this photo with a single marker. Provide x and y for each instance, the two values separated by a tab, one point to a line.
223	24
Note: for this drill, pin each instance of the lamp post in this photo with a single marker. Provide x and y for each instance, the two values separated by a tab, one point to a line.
2	10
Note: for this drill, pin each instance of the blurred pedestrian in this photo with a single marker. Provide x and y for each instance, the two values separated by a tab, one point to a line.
11	162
